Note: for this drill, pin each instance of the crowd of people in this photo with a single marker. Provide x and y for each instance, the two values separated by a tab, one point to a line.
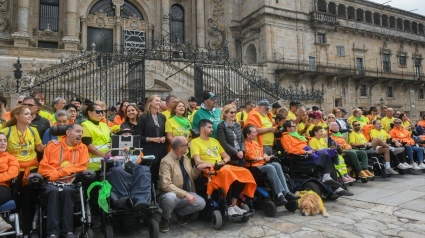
241	136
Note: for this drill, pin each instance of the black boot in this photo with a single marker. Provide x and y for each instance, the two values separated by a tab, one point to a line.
291	197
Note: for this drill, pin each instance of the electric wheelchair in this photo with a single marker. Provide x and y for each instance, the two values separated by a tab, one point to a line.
6	211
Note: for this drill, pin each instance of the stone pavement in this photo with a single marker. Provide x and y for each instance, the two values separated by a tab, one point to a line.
392	207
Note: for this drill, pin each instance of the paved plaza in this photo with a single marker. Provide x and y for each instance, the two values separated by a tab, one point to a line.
392	207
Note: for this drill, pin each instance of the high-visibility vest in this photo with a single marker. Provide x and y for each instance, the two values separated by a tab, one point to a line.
100	139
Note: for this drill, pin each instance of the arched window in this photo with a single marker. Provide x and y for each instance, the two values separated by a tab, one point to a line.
106	6
176	24
49	15
251	54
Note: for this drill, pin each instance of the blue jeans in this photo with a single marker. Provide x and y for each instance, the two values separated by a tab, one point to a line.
419	153
275	174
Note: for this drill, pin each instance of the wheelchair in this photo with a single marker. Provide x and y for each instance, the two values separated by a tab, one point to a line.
82	215
128	219
264	195
6	211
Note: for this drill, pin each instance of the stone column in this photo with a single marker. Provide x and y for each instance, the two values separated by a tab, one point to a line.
395	24
21	37
327	7
364	16
84	33
316	7
388	22
118	34
373	19
402	25
336	10
70	41
200	24
166	15
380	20
346	12
417	28
265	47
355	14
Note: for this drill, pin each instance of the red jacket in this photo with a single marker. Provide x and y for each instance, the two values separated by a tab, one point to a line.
50	166
9	168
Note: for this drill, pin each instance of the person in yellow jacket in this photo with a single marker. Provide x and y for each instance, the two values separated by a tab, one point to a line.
386	121
96	136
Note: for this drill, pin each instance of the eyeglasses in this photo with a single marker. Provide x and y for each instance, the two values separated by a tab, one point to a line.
292	126
338	112
100	111
186	144
232	112
397	122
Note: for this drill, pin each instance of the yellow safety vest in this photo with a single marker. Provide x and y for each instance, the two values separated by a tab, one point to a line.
100	139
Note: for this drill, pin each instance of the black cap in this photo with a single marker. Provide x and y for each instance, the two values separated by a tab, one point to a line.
87	101
207	95
276	105
75	100
118	103
315	108
192	99
112	108
344	111
373	109
295	103
361	108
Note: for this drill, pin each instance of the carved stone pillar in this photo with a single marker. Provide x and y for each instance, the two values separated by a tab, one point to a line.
380	20
21	37
327	7
200	24
166	15
364	16
355	14
71	41
388	22
373	19
417	29
402	25
316	7
336	10
346	11
118	34
84	33
395	23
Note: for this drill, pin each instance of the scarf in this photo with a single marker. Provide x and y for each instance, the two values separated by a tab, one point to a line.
338	134
360	119
184	122
298	136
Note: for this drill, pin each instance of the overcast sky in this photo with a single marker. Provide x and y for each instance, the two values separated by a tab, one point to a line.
406	5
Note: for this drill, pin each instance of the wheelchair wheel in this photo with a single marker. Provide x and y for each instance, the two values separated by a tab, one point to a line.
217	220
109	231
245	207
153	229
269	209
89	233
364	180
193	217
292	206
312	186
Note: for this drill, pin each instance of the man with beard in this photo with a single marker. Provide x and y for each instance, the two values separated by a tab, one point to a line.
208	111
77	102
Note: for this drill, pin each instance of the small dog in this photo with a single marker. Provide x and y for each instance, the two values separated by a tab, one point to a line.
310	204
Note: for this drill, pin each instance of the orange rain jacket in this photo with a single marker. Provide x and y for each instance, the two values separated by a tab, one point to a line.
255	120
401	134
253	150
9	168
421	123
227	175
293	145
118	120
50	164
110	124
341	141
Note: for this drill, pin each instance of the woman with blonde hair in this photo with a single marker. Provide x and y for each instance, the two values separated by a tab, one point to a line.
103	113
131	116
358	116
229	134
151	128
23	142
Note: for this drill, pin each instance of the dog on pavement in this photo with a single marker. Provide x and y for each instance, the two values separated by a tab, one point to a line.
310	204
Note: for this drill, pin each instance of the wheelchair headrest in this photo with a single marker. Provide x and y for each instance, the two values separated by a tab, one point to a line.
87	176
58	130
195	132
35	180
149	157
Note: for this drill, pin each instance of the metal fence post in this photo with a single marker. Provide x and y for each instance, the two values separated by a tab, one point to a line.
18	74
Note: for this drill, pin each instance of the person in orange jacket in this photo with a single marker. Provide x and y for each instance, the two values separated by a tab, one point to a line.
66	158
9	168
294	143
400	133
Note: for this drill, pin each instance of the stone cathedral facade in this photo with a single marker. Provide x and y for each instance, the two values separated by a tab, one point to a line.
361	53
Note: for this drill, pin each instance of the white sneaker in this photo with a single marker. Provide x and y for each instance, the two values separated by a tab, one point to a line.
239	210
407	165
231	211
4	226
422	166
390	171
415	166
401	166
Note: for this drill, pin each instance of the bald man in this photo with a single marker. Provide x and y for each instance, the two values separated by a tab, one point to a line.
176	177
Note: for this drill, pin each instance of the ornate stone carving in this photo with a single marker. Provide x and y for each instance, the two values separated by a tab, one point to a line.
216	33
100	19
3	23
118	3
134	23
3	5
47	34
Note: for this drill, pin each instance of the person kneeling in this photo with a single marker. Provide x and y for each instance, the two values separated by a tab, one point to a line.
66	158
273	170
176	177
232	179
294	143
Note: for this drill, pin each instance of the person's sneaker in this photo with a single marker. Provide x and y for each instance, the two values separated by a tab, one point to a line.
4	226
181	219
415	166
390	171
407	165
291	197
363	174
346	180
70	235
397	150
422	166
163	225
369	174
281	201
332	183
401	166
239	210
344	192
231	211
352	179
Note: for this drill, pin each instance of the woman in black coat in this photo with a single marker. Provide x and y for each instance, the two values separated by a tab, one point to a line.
151	128
229	134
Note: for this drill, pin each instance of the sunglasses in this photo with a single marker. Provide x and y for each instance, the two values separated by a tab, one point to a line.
213	99
100	111
232	112
357	125
186	144
19	102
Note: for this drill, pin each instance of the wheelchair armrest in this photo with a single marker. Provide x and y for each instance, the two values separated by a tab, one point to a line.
195	132
234	163
86	177
297	156
251	161
35	180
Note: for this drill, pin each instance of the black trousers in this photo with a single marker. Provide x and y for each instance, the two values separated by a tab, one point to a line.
235	190
396	159
5	194
60	207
